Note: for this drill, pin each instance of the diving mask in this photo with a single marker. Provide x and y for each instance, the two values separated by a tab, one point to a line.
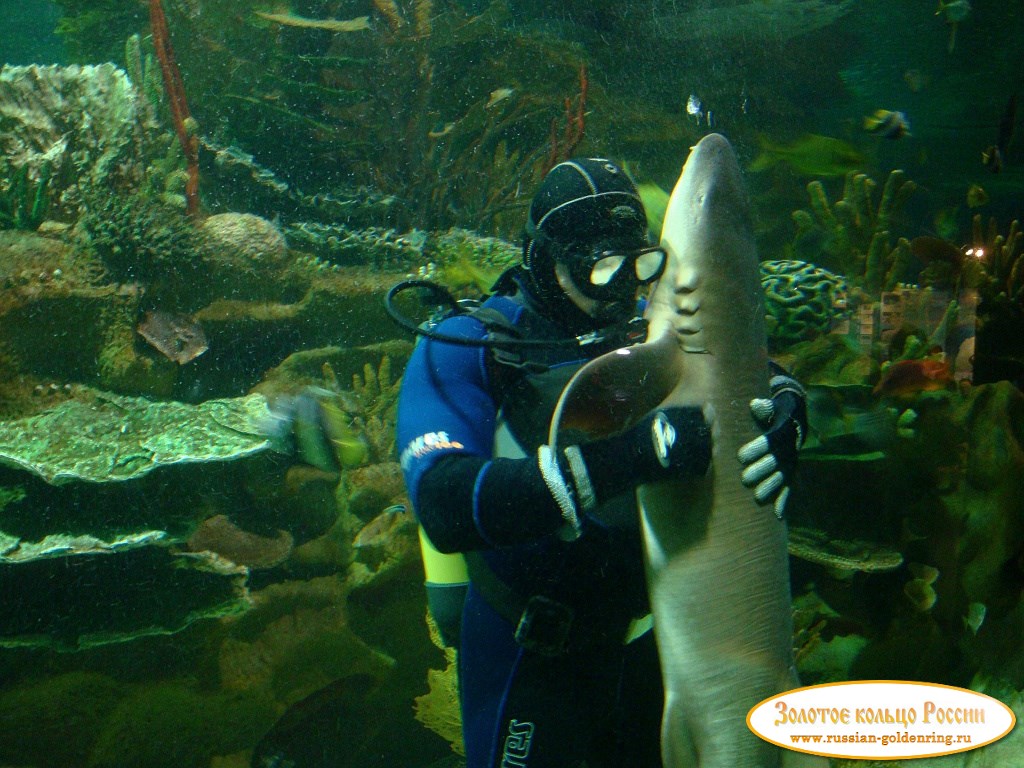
609	274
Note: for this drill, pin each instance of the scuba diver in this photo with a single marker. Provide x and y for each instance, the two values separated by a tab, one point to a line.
557	664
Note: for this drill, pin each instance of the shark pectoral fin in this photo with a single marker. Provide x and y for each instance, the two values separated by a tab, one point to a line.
615	390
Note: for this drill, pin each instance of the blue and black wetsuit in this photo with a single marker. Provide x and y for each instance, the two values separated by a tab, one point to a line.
546	675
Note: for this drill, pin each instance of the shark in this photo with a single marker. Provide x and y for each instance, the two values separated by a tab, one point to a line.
717	564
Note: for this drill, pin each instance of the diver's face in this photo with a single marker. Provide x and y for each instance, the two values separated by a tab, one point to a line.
604	278
603	312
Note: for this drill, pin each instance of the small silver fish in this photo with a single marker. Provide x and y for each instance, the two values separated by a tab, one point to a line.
694	108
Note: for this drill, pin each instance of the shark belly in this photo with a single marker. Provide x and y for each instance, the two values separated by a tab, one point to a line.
717	565
718	573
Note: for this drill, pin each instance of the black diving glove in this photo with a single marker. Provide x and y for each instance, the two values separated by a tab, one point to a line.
668	443
770	460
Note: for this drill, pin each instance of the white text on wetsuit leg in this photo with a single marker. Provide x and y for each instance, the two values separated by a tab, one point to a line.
517	744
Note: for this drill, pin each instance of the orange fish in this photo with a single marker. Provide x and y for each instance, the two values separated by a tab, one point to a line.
911	377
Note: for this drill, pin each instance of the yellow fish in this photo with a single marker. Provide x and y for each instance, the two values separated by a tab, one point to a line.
810	155
976	196
887	124
322	432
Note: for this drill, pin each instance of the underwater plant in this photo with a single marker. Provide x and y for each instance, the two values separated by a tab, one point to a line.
24	202
852	235
399	102
181	117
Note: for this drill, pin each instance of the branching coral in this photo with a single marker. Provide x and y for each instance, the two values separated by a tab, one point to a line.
368	408
377	393
852	236
999	260
994	265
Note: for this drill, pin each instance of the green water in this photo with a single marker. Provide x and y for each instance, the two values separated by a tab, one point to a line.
334	160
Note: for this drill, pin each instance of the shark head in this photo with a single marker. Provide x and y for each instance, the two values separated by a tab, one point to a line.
707	231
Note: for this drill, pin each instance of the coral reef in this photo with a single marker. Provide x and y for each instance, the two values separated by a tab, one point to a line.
52	723
113	461
842	558
141	240
237	181
295	640
994	267
97	437
852	236
341	244
83	127
801	300
445	92
465	261
833	360
69	600
946	498
1000	260
376	392
219	535
46	288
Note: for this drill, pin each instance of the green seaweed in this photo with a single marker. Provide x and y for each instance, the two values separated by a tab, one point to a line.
25	202
93	30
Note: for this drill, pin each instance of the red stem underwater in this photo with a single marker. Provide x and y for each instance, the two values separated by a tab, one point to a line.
180	115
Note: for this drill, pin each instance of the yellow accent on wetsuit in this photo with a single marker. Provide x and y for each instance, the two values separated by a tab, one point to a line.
441	569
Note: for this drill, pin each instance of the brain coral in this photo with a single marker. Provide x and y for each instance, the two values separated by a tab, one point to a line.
246	254
800	300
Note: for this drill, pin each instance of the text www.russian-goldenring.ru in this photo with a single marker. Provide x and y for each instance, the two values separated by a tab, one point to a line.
885	739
